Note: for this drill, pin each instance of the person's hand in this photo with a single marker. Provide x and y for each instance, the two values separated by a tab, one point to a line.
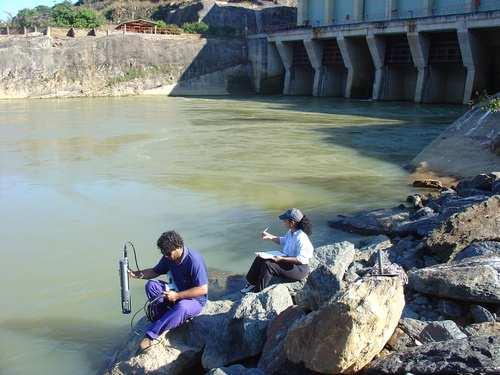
278	258
135	274
171	296
266	235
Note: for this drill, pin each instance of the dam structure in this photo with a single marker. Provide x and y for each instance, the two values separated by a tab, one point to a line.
426	51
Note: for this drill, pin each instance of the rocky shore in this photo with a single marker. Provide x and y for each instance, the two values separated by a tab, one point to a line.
432	307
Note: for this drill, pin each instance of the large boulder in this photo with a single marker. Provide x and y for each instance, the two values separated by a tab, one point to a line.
479	222
224	333
474	279
179	350
347	332
483	329
366	248
245	333
273	360
475	355
478	249
441	331
328	265
379	221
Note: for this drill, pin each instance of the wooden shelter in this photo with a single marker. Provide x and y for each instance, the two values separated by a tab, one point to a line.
138	26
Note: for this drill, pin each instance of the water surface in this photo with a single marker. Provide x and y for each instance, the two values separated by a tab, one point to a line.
78	177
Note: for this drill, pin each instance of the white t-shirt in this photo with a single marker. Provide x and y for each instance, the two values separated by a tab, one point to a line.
297	244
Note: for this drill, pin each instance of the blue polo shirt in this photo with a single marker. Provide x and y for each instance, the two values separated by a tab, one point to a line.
189	273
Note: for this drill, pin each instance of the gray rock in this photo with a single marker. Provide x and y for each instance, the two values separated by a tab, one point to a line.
370	246
450	309
412	327
334	254
245	333
415	201
235	370
475	355
371	222
325	280
495	188
400	341
428	184
179	350
419	226
481	315
478	249
346	333
407	253
273	360
441	331
472	279
479	222
422	212
483	329
484	181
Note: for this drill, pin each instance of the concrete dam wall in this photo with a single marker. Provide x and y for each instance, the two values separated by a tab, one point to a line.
122	64
432	59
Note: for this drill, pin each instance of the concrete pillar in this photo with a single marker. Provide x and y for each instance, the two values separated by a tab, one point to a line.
357	10
8	30
390	8
156	27
470	51
348	62
328	20
376	45
48	31
427	7
286	54
25	31
315	53
471	5
302	12
419	47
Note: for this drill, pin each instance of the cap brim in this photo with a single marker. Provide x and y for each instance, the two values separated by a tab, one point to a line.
283	217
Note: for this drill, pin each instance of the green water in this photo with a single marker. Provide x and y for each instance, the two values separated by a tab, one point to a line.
80	176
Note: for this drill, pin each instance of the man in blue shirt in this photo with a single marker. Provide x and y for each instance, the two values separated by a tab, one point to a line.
172	308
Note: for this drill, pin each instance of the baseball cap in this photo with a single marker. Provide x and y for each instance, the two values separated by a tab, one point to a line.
292	214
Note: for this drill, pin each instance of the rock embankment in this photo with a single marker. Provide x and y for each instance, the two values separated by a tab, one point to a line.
420	295
471	145
122	64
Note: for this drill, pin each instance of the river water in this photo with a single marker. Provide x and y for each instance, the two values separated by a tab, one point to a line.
78	177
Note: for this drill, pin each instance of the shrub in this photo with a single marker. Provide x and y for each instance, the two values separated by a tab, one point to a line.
486	102
63	14
195	28
161	23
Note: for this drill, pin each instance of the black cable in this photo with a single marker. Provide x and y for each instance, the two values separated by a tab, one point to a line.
135	254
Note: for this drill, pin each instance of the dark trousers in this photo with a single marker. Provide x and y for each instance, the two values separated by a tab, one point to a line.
262	271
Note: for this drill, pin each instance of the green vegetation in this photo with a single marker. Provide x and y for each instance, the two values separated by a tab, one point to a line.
203	28
161	23
195	28
93	13
487	102
63	14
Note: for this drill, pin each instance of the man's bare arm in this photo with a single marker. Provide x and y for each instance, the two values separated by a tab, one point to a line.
148	273
197	291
